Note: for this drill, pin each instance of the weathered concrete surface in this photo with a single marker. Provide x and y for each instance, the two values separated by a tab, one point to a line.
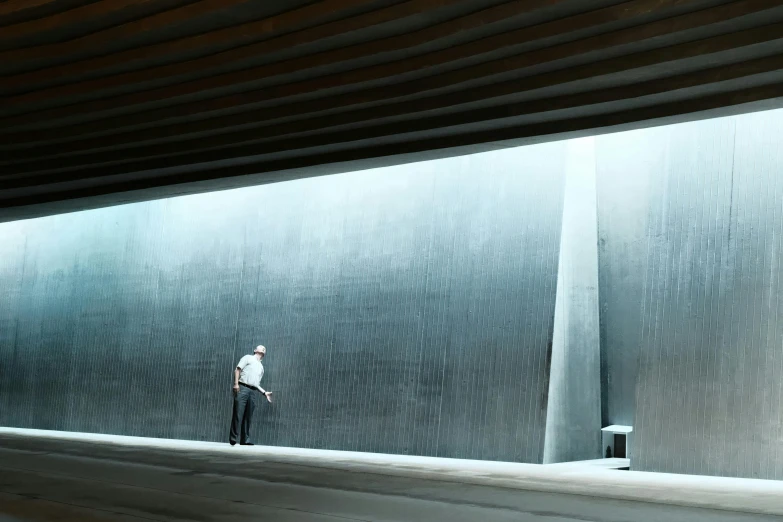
51	475
691	279
407	312
573	421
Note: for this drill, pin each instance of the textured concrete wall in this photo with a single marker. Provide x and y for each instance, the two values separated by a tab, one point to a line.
710	384
407	310
574	410
625	167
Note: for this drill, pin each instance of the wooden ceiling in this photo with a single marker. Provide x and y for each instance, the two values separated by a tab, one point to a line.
109	101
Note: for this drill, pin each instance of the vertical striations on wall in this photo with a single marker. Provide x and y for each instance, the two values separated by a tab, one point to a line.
626	164
711	364
405	310
574	411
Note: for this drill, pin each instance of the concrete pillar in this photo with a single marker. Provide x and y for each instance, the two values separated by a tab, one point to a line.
574	408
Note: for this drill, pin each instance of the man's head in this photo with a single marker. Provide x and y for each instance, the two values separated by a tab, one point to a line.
260	351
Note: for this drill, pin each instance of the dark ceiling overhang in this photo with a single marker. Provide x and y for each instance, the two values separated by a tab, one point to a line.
113	101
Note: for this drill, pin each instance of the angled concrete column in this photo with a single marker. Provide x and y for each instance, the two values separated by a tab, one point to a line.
574	409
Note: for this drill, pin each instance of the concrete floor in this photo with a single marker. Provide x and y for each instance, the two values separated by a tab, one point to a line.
66	476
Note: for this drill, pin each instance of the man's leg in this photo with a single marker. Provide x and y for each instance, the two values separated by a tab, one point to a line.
247	420
240	400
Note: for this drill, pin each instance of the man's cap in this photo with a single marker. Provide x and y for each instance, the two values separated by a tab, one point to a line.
259	349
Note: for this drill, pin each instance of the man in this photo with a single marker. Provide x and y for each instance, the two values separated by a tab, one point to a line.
247	384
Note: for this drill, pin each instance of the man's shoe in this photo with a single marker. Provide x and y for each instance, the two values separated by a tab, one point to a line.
248	444
232	443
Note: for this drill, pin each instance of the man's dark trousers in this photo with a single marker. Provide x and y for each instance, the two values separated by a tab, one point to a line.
245	402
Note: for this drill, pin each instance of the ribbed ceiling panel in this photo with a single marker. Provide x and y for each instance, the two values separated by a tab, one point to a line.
119	100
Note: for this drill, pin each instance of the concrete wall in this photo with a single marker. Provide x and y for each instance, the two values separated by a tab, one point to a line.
406	310
624	170
709	391
573	429
412	309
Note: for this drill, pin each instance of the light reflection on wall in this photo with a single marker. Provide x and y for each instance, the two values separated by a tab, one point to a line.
406	310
